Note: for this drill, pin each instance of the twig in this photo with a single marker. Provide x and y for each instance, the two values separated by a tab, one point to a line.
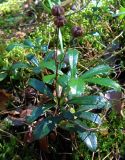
118	36
116	53
80	9
93	155
107	156
11	135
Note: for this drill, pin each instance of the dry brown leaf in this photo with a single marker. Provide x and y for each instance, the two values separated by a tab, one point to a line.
4	99
25	113
44	144
115	98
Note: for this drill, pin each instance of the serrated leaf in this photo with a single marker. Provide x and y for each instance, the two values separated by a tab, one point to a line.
32	58
12	46
63	80
73	60
49	78
76	86
90	139
28	43
68	115
106	82
44	48
101	69
85	100
37	112
19	65
50	65
3	76
37	70
45	127
40	86
49	56
101	103
89	116
119	14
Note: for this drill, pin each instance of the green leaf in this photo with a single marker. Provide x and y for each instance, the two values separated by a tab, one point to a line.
19	65
63	80
86	100
121	13
32	58
40	86
89	139
76	86
38	111
50	3
49	78
3	76
49	65
12	46
89	116
45	127
73	60
37	70
28	43
107	82
44	48
67	115
101	69
102	104
61	41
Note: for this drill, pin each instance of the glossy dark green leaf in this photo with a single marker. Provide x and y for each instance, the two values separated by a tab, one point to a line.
12	46
49	56
28	43
85	100
19	65
63	80
49	65
119	14
107	82
45	127
73	60
44	48
40	86
32	58
101	69
37	70
38	111
90	139
89	116
49	78
76	86
69	127
3	76
67	115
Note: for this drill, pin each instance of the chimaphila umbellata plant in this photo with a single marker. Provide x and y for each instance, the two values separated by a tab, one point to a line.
69	105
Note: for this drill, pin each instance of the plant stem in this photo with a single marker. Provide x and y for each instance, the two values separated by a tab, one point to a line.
57	68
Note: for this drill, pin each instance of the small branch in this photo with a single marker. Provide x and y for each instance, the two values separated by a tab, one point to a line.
118	36
87	3
107	156
10	135
115	53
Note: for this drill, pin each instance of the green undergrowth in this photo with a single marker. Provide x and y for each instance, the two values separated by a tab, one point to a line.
110	138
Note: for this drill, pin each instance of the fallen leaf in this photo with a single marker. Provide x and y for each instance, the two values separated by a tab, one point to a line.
115	98
44	144
4	99
25	113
